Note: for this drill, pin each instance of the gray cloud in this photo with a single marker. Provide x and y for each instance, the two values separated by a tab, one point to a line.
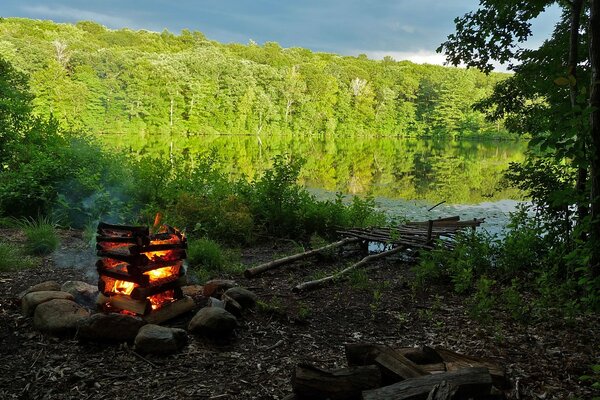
342	26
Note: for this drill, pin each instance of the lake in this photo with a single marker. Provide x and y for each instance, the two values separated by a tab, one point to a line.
406	175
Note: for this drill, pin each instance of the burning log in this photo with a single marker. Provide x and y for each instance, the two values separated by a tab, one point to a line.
140	272
124	302
170	310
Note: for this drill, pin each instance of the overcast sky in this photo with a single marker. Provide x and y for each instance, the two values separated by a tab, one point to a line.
404	29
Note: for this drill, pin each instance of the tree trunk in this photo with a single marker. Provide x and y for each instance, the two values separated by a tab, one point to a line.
582	171
594	35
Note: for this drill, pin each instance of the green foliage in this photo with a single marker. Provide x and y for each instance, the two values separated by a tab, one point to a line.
207	254
11	258
359	279
40	234
593	379
140	82
483	300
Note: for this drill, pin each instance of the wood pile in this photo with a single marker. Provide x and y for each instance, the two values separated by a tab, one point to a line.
379	372
409	238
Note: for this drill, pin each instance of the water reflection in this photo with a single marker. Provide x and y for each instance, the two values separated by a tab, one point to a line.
458	172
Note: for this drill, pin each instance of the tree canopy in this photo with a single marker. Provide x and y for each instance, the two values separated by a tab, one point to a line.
100	80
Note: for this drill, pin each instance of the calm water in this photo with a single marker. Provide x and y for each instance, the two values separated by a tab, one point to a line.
407	176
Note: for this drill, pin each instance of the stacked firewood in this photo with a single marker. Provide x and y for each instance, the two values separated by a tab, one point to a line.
379	372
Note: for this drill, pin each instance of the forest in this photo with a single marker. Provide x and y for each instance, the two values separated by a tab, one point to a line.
99	80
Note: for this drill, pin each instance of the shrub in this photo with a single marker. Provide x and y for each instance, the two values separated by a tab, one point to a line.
206	254
41	236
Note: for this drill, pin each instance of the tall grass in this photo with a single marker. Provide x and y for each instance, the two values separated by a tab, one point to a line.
40	234
11	258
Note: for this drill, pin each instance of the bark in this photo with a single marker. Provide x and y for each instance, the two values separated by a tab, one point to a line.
470	382
347	383
594	29
582	172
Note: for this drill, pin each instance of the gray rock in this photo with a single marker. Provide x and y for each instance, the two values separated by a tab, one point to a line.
41	287
232	306
244	297
214	302
84	293
158	339
31	300
111	327
213	321
58	316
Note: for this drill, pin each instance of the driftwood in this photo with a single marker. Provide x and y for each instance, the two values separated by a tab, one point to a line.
323	281
469	382
310	382
252	272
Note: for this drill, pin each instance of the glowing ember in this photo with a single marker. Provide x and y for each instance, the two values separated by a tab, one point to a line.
123	287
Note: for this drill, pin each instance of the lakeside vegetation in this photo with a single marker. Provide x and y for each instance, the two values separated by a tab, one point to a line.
85	78
99	80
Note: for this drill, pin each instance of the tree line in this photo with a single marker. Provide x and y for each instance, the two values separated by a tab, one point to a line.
103	81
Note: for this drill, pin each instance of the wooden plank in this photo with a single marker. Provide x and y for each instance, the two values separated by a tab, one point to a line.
396	367
170	310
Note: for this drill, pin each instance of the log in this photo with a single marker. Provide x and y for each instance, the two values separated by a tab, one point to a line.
310	382
362	353
455	361
421	355
443	391
139	292
170	311
323	281
122	230
366	353
469	382
434	368
123	302
395	367
252	272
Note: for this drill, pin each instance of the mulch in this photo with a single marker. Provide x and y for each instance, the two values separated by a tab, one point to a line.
544	360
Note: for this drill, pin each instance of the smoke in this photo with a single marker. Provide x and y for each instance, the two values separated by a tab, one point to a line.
81	258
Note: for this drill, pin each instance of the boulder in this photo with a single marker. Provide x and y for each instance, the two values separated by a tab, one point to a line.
244	297
232	306
110	327
84	293
158	339
216	287
31	300
58	316
213	321
48	286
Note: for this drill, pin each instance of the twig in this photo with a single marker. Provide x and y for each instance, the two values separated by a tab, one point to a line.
438	204
143	358
36	358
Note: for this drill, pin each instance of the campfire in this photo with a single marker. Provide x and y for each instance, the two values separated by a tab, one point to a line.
139	272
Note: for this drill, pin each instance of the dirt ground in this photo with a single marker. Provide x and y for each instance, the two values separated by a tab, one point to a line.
543	360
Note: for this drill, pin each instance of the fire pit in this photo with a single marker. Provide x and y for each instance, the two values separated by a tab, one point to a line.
139	272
